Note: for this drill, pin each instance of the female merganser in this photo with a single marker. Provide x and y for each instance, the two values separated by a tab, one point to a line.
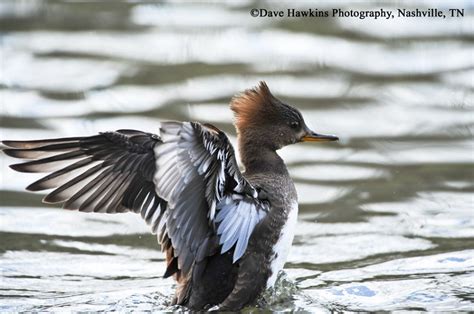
226	233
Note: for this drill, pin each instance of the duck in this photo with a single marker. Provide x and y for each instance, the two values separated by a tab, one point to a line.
225	231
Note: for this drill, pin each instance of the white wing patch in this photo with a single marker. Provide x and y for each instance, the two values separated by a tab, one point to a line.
237	217
198	176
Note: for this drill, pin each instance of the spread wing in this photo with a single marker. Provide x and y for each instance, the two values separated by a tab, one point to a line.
185	183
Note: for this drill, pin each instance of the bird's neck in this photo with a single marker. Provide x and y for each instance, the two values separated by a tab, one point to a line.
259	156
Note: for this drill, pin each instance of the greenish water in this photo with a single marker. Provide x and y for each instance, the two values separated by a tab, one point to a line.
386	215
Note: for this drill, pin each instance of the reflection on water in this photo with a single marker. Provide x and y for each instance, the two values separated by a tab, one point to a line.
386	217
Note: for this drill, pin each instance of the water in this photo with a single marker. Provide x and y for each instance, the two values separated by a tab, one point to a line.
386	215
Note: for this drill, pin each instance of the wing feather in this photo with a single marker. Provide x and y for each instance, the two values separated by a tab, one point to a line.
100	173
203	166
185	184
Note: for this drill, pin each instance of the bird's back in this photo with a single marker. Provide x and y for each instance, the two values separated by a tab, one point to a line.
234	284
270	240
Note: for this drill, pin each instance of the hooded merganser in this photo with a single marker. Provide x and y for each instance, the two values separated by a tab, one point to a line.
226	234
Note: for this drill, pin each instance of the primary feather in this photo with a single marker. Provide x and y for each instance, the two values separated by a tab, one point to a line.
185	183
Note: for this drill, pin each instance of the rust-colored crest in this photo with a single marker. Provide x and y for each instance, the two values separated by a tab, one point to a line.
251	104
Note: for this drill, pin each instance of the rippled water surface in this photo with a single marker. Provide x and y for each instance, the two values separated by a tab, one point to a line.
386	215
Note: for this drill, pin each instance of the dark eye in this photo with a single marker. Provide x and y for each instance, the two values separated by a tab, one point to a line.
294	124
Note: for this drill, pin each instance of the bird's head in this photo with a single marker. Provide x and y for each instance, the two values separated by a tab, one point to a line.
263	119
